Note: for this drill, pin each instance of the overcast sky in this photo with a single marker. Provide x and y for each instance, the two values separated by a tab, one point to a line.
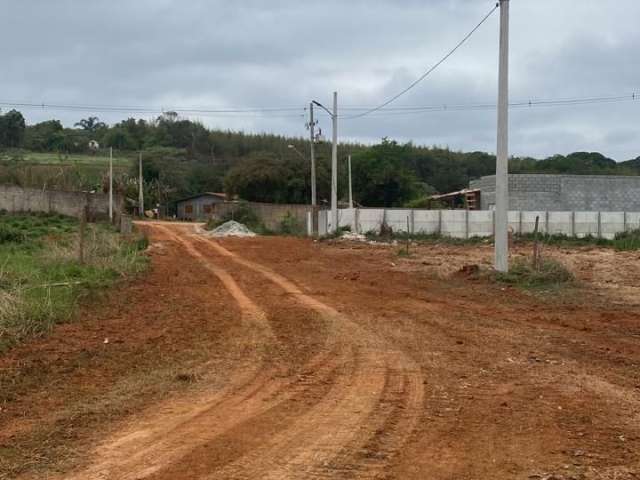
283	53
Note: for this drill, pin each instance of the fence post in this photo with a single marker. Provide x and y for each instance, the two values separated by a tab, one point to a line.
440	222
546	222
520	222
82	232
466	224
599	224
573	223
493	222
413	222
356	215
624	221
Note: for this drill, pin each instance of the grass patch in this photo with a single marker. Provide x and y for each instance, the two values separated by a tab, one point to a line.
41	277
550	273
426	238
623	241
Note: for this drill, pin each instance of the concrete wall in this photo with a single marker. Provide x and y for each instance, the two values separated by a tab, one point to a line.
557	193
480	223
17	199
270	214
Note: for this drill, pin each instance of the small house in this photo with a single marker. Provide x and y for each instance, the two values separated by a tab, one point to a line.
199	207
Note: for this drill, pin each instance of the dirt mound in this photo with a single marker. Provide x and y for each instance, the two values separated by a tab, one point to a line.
231	229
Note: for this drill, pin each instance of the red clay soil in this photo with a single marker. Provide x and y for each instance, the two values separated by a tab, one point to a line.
318	360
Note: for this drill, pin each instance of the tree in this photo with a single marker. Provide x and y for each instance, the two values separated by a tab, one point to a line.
381	177
91	124
264	177
45	136
12	127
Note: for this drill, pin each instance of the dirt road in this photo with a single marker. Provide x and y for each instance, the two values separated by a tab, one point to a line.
338	362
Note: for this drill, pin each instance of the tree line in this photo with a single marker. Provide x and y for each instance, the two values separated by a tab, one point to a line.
183	157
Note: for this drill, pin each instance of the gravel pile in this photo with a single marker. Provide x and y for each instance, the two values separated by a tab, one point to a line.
231	229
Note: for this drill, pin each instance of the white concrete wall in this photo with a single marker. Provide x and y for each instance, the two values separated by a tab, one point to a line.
479	223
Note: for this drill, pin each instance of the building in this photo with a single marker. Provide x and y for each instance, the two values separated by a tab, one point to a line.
564	193
199	207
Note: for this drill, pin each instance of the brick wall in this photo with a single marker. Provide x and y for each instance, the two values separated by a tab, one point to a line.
565	192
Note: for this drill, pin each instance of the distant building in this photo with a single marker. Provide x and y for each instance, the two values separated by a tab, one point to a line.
199	207
564	193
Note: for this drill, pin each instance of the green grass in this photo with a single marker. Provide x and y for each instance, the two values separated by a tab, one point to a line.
52	158
427	238
550	273
624	241
41	277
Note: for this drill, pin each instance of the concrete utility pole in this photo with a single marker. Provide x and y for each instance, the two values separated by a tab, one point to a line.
334	166
312	125
140	189
502	160
350	185
111	184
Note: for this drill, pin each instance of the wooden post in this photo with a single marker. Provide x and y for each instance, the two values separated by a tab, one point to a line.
408	234
536	248
520	223
440	222
573	223
546	216
599	224
82	234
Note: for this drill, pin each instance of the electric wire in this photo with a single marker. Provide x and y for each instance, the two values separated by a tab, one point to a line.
428	72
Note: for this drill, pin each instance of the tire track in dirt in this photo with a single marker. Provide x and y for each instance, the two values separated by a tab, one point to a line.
347	415
359	427
166	436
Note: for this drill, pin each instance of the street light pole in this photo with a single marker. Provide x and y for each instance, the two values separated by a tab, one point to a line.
314	198
350	185
334	166
502	157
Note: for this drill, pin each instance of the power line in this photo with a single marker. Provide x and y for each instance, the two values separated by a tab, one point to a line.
429	71
281	112
227	112
444	107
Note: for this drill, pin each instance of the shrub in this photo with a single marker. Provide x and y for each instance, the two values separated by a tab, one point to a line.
290	225
522	273
627	240
9	234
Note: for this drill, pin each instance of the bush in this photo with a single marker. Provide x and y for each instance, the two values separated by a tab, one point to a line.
522	274
290	225
9	234
627	240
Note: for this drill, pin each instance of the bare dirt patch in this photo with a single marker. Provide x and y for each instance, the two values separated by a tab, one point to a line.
336	360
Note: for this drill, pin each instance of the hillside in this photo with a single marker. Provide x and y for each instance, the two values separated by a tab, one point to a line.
182	157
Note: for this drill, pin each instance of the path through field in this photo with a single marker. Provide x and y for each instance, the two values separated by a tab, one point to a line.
353	368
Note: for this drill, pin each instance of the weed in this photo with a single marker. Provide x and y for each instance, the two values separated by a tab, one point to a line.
290	225
41	278
627	240
550	273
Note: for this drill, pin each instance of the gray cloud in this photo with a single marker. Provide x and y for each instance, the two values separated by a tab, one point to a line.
284	53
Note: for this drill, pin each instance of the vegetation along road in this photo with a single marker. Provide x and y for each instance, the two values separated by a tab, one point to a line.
274	357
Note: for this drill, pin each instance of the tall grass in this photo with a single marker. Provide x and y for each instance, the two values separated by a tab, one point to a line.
41	277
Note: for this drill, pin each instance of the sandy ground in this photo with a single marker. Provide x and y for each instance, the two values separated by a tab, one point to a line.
336	360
